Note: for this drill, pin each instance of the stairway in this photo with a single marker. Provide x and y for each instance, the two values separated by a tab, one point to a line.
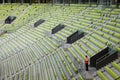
89	74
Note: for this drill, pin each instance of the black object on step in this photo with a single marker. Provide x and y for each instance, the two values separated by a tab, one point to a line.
75	36
57	28
9	19
103	57
38	22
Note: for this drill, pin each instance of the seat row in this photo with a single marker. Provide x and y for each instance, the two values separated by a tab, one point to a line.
109	72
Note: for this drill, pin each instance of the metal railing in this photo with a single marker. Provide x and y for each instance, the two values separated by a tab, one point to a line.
81	68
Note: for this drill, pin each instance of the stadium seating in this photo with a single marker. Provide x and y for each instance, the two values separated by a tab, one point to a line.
28	53
109	72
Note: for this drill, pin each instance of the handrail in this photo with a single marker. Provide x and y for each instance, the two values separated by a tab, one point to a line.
80	67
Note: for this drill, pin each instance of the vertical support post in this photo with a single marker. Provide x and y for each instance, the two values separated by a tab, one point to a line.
3	1
78	1
97	2
52	2
38	1
21	2
102	2
90	3
69	2
117	4
64	2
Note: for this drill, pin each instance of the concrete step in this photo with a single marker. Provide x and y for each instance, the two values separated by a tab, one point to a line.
89	74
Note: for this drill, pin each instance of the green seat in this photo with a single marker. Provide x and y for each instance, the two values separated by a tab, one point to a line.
101	75
69	60
66	66
116	66
115	40
118	20
96	43
111	73
72	53
114	13
78	51
118	49
80	77
99	38
53	68
59	36
99	32
47	70
92	47
112	23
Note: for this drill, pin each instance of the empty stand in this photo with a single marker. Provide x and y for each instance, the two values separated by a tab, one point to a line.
109	72
28	54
